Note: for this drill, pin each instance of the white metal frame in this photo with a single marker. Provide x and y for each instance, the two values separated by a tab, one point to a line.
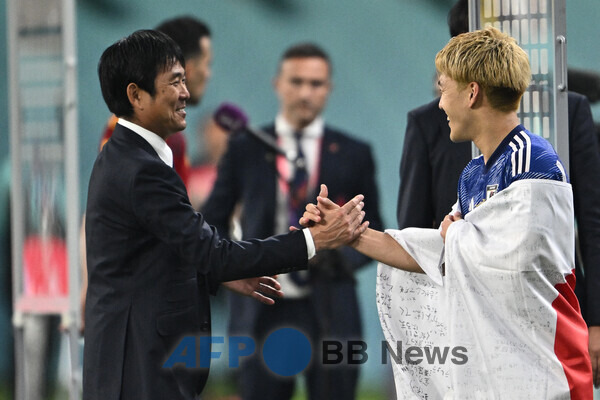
552	84
70	311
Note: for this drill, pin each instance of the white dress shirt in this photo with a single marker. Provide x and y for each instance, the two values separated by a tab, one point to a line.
311	147
158	144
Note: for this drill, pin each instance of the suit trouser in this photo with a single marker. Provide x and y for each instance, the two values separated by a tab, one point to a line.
257	381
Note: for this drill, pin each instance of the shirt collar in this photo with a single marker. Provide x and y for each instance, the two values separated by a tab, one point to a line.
158	144
313	130
502	146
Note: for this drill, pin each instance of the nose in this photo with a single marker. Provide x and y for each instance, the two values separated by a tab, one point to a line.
305	91
184	94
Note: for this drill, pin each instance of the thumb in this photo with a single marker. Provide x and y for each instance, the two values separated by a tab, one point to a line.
324	191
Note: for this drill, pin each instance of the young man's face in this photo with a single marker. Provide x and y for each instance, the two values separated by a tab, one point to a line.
164	113
302	87
197	71
454	100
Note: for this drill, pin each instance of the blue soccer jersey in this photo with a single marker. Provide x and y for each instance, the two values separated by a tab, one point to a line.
521	155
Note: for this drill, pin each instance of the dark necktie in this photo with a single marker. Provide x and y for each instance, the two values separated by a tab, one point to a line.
297	201
298	184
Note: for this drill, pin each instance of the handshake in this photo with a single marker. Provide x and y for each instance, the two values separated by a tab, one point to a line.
332	226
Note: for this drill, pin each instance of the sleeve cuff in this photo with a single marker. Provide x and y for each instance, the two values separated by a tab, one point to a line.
310	244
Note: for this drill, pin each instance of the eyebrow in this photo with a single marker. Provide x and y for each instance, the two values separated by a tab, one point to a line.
175	75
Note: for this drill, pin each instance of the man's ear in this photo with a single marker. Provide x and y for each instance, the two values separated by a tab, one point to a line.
475	93
134	94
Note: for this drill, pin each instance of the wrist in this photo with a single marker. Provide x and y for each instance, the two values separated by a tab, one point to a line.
311	243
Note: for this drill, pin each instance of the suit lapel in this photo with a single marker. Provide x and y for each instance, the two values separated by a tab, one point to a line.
271	178
126	135
328	158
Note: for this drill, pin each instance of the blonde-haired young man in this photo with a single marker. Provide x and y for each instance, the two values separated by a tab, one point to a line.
502	262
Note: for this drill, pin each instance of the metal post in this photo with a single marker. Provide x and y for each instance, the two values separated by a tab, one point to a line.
72	188
540	29
44	135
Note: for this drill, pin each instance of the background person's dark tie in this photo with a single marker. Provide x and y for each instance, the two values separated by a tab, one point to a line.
298	189
298	185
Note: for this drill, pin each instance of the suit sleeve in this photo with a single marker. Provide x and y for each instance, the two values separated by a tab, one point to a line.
585	177
162	207
415	203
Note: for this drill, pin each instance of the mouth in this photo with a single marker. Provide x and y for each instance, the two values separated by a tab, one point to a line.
303	104
181	111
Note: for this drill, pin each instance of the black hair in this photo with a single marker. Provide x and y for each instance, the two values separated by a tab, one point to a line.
306	50
137	58
186	32
458	18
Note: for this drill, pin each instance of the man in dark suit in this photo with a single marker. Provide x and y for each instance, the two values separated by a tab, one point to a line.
322	304
153	260
431	165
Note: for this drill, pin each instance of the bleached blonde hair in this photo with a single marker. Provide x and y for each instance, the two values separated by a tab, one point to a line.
492	59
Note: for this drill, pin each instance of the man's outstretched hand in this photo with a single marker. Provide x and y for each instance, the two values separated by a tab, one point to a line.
333	226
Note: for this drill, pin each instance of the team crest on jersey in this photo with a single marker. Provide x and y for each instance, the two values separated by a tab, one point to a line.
490	190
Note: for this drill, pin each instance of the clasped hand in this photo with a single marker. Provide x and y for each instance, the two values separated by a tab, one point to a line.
331	225
448	220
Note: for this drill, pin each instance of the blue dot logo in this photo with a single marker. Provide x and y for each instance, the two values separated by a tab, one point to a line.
287	352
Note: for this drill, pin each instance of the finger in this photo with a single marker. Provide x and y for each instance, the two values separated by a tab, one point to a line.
270	281
359	220
308	217
307	222
349	206
361	217
355	217
357	212
266	291
270	291
312	208
326	203
293	228
362	228
263	299
324	191
359	230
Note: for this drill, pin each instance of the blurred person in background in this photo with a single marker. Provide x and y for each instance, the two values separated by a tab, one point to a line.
272	192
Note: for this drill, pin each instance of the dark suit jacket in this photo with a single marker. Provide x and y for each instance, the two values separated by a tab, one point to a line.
247	174
152	262
431	165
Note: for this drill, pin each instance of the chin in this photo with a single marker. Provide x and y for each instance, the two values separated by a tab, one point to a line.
456	138
181	127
